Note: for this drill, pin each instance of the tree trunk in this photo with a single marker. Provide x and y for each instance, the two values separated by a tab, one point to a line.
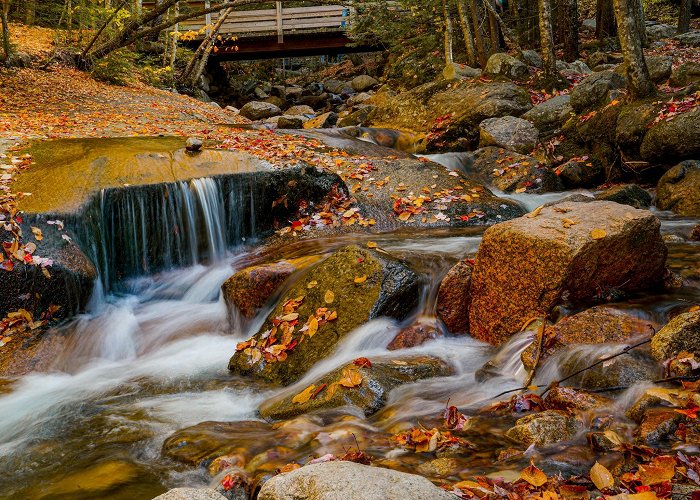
208	44
467	34
639	20
29	12
638	81
605	26
549	61
102	28
684	16
508	35
173	49
481	49
4	12
493	28
449	59
569	29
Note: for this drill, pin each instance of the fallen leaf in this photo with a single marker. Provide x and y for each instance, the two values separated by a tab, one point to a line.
304	395
660	470
312	284
351	378
535	212
329	297
362	362
361	279
601	477
598	234
371	244
533	475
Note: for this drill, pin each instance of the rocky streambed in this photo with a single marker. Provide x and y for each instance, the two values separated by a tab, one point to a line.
230	314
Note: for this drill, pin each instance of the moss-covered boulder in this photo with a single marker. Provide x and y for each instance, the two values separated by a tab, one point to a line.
511	171
682	333
336	296
362	383
570	252
669	141
679	189
595	89
685	74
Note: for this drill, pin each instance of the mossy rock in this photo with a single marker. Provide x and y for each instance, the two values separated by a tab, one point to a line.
369	395
550	426
669	141
682	333
361	285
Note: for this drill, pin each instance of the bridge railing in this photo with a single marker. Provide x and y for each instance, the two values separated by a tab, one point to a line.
280	20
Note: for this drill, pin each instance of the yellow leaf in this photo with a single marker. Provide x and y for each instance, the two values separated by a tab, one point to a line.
289	317
311	284
533	475
660	470
361	279
304	395
404	216
601	477
535	212
598	234
371	244
569	222
313	326
351	378
329	297
37	233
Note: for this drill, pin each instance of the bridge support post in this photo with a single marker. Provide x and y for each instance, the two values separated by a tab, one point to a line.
280	30
207	17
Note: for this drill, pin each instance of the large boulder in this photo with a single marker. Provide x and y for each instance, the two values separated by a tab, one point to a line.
506	65
454	297
692	38
682	333
626	194
508	132
659	68
362	83
362	384
349	288
190	494
565	253
337	480
259	110
675	140
685	74
622	371
449	112
660	31
549	115
679	189
510	171
594	89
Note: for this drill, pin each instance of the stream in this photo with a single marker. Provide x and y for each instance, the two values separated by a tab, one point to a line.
151	357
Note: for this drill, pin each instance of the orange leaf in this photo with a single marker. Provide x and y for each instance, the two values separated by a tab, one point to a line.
304	395
351	378
533	475
361	279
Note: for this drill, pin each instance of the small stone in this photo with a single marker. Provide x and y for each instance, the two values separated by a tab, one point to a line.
695	234
679	189
362	83
506	65
290	122
194	144
657	425
417	334
453	298
546	427
258	110
326	120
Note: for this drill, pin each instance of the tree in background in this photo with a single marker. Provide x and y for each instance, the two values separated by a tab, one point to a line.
627	14
4	14
684	16
549	60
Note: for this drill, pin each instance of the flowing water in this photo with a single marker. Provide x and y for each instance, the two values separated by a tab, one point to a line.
150	356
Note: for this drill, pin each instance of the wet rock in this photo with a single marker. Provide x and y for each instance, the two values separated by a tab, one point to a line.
626	194
339	480
362	83
193	144
454	297
659	31
249	289
658	397
508	132
326	120
389	289
233	483
300	110
597	325
566	399
510	171
94	481
68	286
209	440
695	234
290	122
454	71
679	189
547	260
468	103
546	427
550	114
440	467
680	334
417	334
603	441
622	371
36	354
580	174
594	89
369	395
506	65
259	110
224	462
685	74
675	140
190	494
657	426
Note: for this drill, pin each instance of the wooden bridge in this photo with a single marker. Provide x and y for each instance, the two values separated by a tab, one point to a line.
275	32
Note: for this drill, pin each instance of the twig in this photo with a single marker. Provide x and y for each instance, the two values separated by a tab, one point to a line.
539	344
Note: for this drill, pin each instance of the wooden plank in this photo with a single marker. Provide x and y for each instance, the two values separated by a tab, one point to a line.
207	17
278	15
319	9
319	21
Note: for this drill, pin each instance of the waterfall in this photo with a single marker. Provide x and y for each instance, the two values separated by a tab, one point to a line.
139	230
